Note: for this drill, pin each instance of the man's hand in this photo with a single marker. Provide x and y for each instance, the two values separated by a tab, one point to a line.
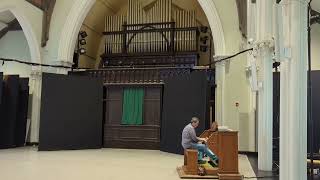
204	139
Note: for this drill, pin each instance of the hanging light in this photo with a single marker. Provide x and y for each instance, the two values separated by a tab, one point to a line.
83	34
204	29
82	50
82	41
204	39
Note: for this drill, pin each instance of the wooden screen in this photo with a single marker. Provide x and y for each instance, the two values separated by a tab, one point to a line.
145	136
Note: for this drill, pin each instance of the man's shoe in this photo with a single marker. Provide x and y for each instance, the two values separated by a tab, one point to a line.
214	163
201	162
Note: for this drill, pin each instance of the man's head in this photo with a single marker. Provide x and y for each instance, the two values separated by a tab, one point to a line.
195	122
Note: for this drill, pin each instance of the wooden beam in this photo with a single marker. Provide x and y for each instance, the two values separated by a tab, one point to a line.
37	3
242	14
48	7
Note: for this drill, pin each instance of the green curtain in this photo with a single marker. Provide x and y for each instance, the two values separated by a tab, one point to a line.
132	107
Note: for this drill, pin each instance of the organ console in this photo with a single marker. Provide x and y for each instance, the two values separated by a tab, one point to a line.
225	145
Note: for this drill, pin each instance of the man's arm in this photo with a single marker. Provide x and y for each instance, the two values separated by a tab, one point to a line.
195	138
202	139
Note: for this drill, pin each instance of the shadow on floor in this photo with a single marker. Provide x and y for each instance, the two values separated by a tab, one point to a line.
267	175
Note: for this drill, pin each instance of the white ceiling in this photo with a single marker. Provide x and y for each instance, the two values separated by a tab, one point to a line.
6	17
315	4
2	26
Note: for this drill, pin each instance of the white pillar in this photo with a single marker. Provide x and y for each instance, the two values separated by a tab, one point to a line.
219	91
251	61
265	78
35	90
293	93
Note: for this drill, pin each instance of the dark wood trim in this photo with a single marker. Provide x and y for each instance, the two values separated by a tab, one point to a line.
242	14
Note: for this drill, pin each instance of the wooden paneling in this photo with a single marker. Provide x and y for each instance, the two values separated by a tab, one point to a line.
146	136
114	105
225	145
152	104
228	157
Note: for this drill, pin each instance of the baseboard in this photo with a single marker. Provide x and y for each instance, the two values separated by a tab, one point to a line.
32	143
248	153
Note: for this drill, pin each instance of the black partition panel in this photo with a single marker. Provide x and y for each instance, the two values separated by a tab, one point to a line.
9	111
22	116
183	98
315	79
276	116
1	88
71	112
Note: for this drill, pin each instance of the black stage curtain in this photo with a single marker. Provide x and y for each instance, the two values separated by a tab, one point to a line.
183	98
9	111
71	112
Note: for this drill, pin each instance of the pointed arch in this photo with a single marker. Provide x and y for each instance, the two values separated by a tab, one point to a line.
28	32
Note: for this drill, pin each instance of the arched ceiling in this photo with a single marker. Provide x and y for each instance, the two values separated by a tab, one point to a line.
8	22
5	18
102	8
315	4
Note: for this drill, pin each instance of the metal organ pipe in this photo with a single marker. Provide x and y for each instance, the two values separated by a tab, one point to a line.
162	12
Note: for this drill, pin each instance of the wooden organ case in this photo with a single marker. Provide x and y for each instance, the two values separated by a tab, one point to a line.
142	49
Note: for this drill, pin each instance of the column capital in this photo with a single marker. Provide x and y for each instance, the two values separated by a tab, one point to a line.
63	63
262	46
36	73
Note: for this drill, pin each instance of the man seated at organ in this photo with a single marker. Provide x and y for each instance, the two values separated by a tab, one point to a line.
191	141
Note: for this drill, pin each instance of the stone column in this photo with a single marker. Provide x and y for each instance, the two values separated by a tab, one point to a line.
219	92
35	90
293	92
264	52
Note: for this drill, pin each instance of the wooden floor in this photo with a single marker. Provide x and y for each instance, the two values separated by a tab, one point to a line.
102	164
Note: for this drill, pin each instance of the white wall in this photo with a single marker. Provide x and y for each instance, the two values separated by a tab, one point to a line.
14	45
58	20
315	47
237	87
